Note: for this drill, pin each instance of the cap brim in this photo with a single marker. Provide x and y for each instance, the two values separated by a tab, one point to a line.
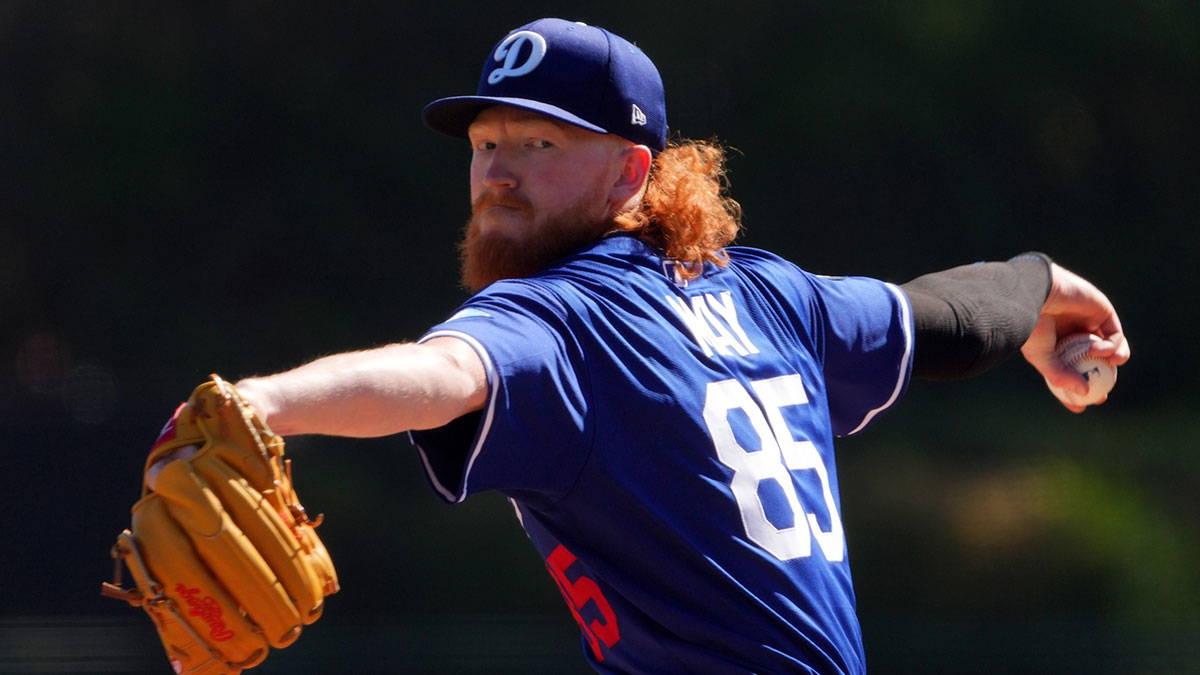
452	116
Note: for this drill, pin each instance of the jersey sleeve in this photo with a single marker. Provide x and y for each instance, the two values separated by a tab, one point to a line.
867	348
533	434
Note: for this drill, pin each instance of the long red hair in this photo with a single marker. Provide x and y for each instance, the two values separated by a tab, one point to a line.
686	211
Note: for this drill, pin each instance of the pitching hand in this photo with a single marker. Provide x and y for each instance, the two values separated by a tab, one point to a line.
1074	305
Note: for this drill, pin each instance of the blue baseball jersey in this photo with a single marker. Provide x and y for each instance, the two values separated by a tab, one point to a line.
668	447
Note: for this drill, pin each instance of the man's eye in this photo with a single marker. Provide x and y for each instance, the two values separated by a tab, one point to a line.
485	145
541	144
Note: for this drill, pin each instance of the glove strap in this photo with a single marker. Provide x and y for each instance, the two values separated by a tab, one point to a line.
117	589
293	502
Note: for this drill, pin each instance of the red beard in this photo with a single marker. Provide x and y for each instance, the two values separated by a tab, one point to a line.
487	257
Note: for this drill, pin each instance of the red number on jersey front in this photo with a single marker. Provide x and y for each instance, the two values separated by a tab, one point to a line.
577	594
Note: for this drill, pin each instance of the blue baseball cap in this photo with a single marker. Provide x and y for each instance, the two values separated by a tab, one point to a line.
580	74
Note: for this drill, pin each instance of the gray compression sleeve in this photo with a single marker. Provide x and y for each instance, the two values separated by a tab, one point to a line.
971	318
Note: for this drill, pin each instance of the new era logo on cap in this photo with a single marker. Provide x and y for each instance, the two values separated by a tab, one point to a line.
580	74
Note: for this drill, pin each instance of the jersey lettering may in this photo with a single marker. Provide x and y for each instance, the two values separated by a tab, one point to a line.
669	449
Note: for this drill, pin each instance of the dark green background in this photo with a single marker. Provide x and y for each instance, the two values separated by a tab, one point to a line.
240	187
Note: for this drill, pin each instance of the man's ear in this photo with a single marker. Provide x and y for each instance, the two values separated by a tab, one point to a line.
634	162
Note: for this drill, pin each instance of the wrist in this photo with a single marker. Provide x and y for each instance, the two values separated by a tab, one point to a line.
257	393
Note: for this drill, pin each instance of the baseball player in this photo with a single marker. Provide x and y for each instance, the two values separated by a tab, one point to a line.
659	406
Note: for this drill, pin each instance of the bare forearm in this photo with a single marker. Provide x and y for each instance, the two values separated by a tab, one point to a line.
371	393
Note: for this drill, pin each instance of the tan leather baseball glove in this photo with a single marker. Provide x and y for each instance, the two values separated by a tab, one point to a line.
224	558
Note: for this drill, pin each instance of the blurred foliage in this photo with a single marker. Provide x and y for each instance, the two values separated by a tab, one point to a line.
241	187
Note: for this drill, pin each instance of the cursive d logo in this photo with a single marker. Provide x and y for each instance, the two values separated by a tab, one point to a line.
510	50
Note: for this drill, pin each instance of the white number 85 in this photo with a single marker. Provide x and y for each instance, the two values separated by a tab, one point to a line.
778	456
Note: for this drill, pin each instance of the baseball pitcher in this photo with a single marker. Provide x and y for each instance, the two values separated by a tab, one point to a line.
660	407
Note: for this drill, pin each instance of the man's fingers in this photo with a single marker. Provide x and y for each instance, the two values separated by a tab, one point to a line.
1059	375
1121	351
1040	352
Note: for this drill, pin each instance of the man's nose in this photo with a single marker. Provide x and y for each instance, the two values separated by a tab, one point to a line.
499	171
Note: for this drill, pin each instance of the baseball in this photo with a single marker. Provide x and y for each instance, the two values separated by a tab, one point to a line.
1073	351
